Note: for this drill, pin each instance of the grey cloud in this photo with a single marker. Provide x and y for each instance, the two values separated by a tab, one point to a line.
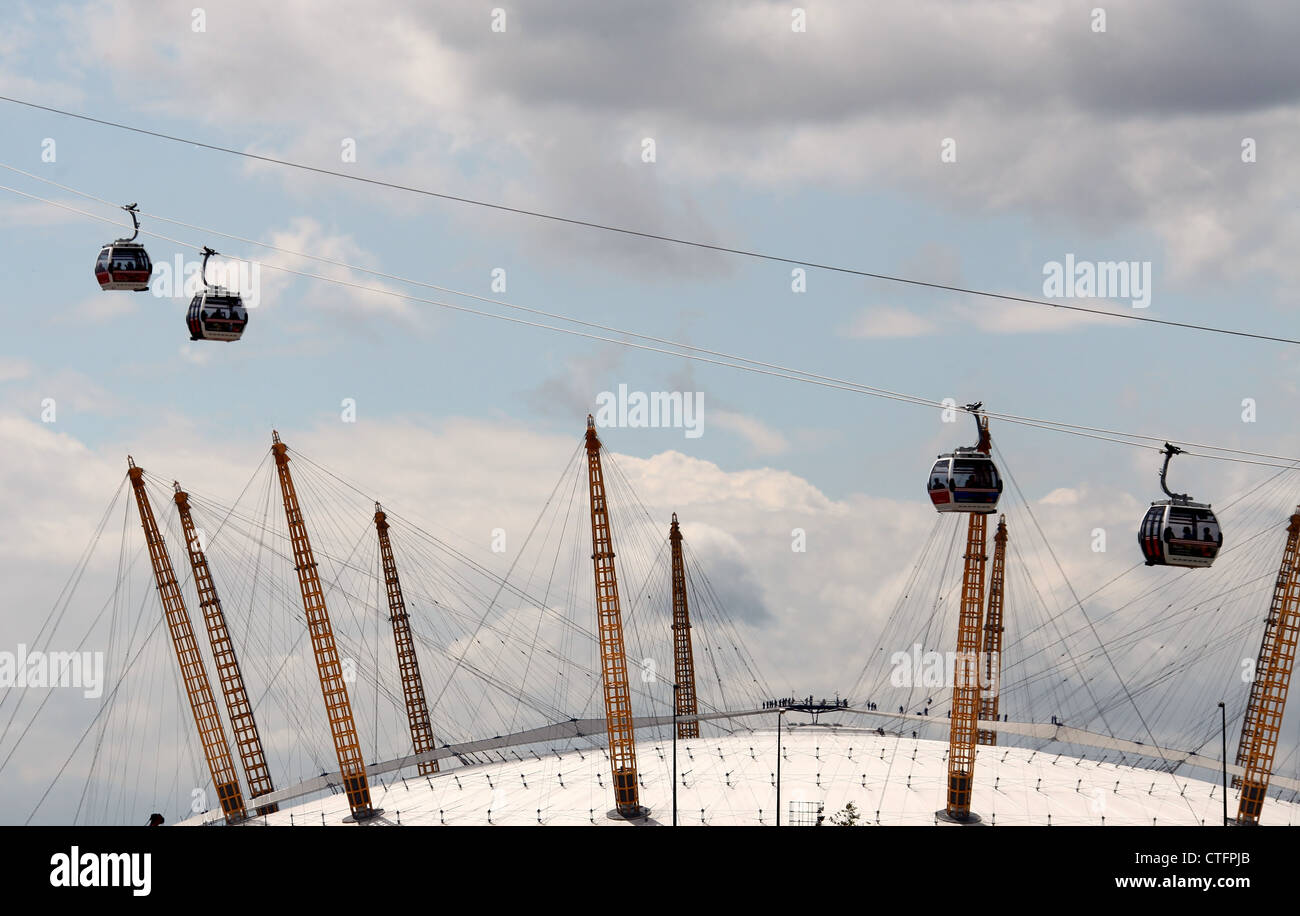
1134	130
741	64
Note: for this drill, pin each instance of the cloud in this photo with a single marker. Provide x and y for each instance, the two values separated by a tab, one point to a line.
571	391
37	215
1112	132
196	355
1062	496
71	391
888	322
308	236
104	308
1001	317
818	588
988	315
762	439
12	368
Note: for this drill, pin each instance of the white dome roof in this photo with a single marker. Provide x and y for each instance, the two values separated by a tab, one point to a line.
730	780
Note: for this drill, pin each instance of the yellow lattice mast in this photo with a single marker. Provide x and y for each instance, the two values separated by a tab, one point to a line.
238	708
193	673
338	707
1250	723
966	691
991	649
683	659
1272	678
613	656
417	708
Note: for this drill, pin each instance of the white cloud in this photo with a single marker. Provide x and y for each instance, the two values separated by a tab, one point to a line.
306	235
888	322
101	309
1001	317
762	439
1062	496
986	315
1146	144
12	368
811	618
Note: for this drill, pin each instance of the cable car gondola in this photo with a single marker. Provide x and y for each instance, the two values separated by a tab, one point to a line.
124	264
215	313
967	480
1177	531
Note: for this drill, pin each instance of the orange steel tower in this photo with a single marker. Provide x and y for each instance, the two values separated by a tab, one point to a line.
338	707
193	672
965	690
238	707
417	709
1250	722
683	659
613	658
1272	678
991	650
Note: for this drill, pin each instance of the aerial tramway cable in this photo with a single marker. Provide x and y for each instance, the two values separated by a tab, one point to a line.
686	351
675	240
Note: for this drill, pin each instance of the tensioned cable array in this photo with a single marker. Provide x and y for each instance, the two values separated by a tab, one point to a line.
683	351
653	236
496	659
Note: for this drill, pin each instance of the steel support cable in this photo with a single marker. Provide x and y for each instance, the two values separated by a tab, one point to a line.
612	329
65	597
1061	571
935	609
496	597
289	708
1169	582
546	595
496	579
746	657
935	615
1021	569
715	614
620	479
635	526
1172	581
231	513
1145	727
500	633
81	643
1255	572
908	585
724	618
310	494
465	698
103	707
686	351
675	240
558	656
1130	638
324	519
113	625
1215	611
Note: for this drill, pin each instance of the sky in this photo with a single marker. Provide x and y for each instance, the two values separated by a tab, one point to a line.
961	143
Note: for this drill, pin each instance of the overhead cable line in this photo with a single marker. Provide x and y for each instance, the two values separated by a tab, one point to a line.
603	327
654	236
687	351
